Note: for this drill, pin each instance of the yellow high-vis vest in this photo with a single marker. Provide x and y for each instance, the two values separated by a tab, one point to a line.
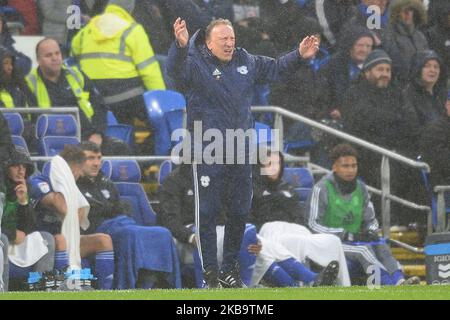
114	46
7	99
76	81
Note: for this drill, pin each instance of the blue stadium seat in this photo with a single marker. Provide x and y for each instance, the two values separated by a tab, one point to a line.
54	132
20	143
299	177
301	144
302	180
15	123
165	109
16	128
122	132
111	119
126	175
164	169
106	169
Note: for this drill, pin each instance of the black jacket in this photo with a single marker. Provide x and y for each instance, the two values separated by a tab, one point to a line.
334	78
176	207
427	106
274	200
376	115
104	199
17	216
22	218
435	148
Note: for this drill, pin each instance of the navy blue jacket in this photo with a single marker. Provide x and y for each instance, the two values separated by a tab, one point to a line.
220	94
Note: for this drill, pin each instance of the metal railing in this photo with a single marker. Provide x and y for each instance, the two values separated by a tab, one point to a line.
441	208
386	196
52	110
385	193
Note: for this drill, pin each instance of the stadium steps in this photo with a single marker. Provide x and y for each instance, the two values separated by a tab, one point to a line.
413	263
407	256
409	237
414	270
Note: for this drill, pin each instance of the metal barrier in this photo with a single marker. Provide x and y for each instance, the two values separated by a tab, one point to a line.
386	196
441	208
385	193
52	110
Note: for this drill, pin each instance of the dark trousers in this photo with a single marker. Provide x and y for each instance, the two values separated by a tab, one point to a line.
217	189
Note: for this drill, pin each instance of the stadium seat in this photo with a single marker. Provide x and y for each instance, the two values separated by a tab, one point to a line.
301	145
299	177
302	180
164	169
126	175
54	132
16	128
122	132
111	119
165	110
15	123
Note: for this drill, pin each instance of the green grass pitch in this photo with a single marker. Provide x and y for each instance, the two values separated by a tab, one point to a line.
325	293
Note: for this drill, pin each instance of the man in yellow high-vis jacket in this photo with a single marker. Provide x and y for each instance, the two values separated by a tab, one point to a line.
115	52
53	84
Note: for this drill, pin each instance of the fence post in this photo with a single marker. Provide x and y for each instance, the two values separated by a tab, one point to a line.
441	214
278	124
385	201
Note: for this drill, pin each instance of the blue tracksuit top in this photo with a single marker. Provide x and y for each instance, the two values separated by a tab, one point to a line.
220	94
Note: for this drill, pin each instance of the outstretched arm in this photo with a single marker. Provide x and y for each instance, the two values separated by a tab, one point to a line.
271	70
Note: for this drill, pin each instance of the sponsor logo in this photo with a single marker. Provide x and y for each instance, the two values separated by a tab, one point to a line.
204	180
242	70
106	193
44	187
444	271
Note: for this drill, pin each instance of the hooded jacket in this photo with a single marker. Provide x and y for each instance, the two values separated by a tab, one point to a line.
15	87
220	94
275	200
402	42
115	52
17	216
336	77
427	106
7	42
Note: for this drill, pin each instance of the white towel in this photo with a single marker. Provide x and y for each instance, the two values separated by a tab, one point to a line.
29	251
63	181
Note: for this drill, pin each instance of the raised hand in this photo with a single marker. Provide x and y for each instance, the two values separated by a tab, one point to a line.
181	33
308	47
